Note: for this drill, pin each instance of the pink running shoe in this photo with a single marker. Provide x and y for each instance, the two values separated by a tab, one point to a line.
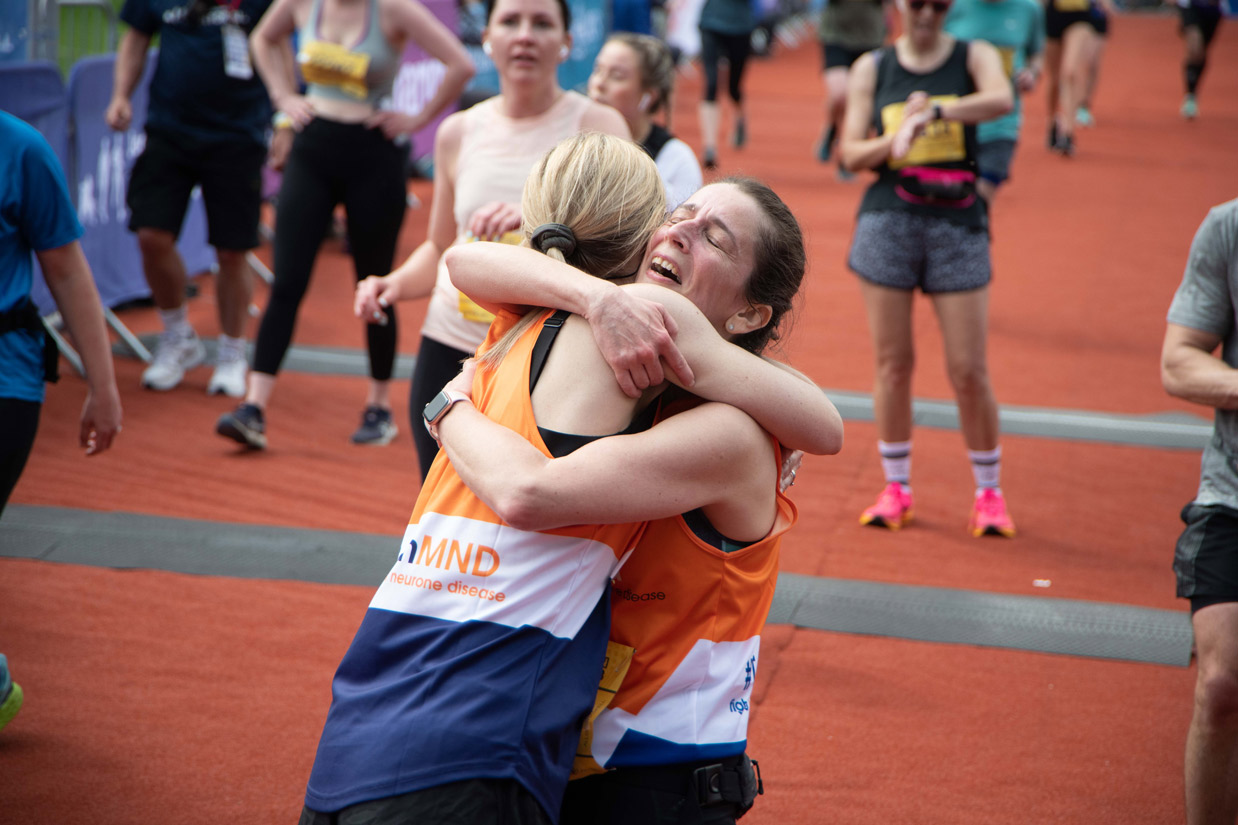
893	509
988	515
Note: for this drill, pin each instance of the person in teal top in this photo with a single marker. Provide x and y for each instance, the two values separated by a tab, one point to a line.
1017	29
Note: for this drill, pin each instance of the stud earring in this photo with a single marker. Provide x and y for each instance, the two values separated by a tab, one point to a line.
563	52
487	48
730	327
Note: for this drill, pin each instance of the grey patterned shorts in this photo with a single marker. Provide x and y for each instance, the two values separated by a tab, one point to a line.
902	250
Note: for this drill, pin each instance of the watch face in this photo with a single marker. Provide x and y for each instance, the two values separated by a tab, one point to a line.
436	406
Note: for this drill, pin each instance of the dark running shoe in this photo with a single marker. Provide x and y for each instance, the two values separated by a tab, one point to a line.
1052	140
245	426
710	161
741	134
1065	146
377	429
826	146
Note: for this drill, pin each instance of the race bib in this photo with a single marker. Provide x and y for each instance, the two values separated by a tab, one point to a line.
236	52
614	668
1072	5
1007	53
940	142
330	64
469	310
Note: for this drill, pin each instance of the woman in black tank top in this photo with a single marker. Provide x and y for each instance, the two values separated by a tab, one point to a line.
911	113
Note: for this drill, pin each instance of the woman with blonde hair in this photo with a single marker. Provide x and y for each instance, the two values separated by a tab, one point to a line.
465	683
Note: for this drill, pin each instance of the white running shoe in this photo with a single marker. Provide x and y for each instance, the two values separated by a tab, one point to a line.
174	354
229	375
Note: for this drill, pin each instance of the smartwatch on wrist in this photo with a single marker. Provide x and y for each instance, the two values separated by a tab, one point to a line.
937	115
438	407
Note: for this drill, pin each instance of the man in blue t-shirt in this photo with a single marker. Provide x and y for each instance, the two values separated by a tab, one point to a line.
1016	28
206	126
37	216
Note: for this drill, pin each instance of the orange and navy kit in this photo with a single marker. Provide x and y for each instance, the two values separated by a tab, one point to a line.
478	656
689	615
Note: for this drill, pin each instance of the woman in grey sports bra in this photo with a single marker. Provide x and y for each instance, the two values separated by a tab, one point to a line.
350	147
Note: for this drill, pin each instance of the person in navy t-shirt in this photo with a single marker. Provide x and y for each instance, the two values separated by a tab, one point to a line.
206	125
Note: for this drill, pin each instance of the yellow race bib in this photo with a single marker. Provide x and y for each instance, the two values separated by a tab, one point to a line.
469	309
1072	5
1007	53
330	64
940	142
618	660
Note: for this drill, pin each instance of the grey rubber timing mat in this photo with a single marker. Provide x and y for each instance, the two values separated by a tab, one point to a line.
126	540
934	614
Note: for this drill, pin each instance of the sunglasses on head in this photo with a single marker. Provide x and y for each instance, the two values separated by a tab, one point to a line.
937	5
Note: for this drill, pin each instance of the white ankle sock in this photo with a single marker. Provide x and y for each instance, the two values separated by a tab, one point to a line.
896	461
986	466
229	348
177	320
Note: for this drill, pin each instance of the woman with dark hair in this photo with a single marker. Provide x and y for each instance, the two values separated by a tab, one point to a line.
911	114
688	605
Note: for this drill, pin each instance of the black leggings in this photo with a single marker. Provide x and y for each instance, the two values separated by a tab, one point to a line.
19	421
332	163
735	48
436	365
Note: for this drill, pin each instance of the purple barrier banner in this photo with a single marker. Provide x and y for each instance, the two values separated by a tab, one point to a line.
419	78
35	93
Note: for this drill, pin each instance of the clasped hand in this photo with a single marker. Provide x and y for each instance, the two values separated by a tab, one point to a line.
637	338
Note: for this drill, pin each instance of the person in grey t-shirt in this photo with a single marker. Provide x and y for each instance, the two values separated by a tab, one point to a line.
1201	317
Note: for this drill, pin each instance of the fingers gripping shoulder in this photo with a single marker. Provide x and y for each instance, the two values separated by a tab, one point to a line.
683	311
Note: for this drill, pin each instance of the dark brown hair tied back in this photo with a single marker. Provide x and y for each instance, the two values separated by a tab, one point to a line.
550	236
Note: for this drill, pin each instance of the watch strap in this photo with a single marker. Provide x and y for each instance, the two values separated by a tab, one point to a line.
443	402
